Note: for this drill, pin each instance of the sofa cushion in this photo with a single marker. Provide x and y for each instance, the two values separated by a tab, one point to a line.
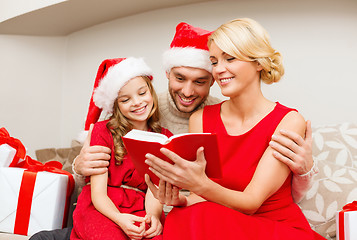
335	152
63	155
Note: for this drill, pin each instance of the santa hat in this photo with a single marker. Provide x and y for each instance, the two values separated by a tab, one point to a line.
112	75
188	49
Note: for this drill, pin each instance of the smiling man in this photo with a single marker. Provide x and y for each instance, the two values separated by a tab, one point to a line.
188	70
189	87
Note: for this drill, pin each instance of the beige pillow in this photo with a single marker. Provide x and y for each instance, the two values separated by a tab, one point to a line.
63	155
335	151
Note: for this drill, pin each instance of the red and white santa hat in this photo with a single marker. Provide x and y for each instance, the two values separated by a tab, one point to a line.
112	75
188	49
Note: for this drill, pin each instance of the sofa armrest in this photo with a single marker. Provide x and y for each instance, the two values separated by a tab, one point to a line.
7	236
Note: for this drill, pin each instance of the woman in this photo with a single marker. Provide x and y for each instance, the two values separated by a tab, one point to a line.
253	199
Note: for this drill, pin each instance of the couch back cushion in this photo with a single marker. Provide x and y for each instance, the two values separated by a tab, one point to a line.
335	152
63	155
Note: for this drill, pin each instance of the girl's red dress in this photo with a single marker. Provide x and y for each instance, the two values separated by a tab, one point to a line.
278	217
88	223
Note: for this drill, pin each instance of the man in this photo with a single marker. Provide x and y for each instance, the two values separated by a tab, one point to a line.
188	70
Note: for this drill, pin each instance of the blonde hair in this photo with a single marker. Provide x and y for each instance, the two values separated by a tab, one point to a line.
246	40
119	125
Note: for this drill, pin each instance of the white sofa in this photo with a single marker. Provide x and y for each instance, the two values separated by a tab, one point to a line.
335	152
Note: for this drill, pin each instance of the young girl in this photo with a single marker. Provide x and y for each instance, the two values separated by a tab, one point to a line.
114	204
253	199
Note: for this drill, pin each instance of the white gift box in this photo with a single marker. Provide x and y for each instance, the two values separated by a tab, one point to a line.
349	225
7	154
48	201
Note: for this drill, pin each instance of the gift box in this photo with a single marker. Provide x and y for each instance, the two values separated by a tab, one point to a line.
32	199
12	151
346	222
7	154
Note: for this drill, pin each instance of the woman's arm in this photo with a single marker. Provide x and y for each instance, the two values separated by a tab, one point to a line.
268	177
296	153
104	205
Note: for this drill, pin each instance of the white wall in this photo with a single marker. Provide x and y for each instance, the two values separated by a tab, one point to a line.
13	8
31	71
317	39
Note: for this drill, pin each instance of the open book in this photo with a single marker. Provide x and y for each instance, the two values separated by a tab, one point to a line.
138	143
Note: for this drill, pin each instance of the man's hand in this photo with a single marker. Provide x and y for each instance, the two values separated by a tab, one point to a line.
92	160
166	193
293	150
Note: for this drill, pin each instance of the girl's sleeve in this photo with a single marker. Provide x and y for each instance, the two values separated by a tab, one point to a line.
100	135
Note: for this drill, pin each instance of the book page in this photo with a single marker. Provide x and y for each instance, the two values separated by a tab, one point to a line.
185	134
146	136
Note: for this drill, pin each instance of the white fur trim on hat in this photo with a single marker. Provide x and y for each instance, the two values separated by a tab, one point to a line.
116	77
186	57
82	136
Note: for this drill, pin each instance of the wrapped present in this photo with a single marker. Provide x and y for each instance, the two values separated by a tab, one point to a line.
11	149
346	222
7	155
34	197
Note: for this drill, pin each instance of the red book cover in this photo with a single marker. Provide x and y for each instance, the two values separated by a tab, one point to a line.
138	143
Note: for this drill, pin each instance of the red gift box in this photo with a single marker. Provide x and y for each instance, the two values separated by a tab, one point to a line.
31	172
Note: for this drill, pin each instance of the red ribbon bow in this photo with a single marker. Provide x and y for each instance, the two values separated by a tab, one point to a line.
347	208
14	143
36	166
350	206
27	186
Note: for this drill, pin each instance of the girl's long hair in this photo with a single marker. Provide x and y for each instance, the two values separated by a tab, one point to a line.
119	125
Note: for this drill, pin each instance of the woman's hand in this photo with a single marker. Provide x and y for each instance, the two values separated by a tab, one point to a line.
129	224
166	193
155	226
185	174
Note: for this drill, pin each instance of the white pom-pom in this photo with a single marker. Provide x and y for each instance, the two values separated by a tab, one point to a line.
82	136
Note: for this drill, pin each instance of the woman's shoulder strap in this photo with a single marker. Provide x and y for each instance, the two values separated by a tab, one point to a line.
211	117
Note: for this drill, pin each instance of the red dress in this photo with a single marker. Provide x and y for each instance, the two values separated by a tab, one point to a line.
88	223
278	217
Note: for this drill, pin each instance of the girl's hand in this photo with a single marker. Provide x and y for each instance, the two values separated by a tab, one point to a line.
185	174
166	193
128	223
155	226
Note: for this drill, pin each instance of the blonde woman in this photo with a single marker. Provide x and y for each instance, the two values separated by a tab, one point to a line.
253	199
